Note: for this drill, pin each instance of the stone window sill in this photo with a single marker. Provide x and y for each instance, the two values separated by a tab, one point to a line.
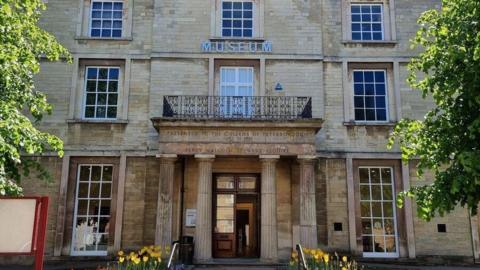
375	124
99	121
245	39
370	43
85	38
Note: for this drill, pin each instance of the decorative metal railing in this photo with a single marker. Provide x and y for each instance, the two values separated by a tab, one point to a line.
238	107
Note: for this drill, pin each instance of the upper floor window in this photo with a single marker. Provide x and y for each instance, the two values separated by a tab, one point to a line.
367	21
106	19
101	92
370	95
237	19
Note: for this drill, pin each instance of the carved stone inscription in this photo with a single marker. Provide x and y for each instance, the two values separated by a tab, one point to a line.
237	136
237	141
237	149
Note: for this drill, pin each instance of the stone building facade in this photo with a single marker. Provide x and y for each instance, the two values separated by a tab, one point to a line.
251	125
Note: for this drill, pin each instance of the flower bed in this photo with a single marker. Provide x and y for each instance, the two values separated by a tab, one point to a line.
147	258
316	259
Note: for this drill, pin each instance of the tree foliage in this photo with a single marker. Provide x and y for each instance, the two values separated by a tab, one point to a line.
447	141
22	45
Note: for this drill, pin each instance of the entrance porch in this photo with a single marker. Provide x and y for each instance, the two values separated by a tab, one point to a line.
248	182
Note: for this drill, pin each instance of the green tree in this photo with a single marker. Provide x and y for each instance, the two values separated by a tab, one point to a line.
22	45
447	141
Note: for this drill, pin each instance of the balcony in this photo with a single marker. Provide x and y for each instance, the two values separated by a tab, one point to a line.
237	107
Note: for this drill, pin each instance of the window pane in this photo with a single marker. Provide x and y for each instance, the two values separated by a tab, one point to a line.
102	99
375	175
112	99
225	199
369	102
369	89
370	115
225	213
227	5
247	183
106	190
358	89
364	178
118	6
386	175
101	112
89	112
376	192
390	244
360	114
367	244
102	86
365	209
366	226
358	76
381	115
364	192
112	87
380	89
247	5
225	183
358	102
379	244
224	226
376	209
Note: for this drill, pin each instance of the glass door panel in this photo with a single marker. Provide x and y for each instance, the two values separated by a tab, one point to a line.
92	210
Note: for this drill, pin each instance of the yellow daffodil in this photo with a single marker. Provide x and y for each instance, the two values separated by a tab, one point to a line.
145	258
120	253
121	259
344	259
159	259
344	268
326	258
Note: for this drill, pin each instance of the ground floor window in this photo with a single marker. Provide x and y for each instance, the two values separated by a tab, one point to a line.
93	197
378	217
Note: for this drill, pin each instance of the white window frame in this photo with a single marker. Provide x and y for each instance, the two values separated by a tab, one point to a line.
395	254
90	20
73	252
84	103
245	101
237	84
254	19
382	10
352	90
216	24
388	17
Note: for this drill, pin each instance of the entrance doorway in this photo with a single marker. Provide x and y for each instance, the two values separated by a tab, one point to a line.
236	215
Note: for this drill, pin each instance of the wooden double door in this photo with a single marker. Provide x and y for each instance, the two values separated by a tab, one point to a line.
236	215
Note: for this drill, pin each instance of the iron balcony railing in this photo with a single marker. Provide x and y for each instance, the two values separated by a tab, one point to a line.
238	107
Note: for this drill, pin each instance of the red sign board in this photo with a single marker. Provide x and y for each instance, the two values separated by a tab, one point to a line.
26	234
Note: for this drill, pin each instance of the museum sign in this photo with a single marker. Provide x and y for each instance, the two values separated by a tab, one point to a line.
226	46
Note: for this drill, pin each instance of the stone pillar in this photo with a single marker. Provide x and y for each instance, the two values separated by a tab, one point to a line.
269	237
203	228
308	214
163	230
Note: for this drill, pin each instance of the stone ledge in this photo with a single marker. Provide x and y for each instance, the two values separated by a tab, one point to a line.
100	121
314	123
369	124
245	39
370	43
82	38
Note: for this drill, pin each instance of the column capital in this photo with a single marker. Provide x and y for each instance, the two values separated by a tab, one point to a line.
167	158
205	157
304	159
269	157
